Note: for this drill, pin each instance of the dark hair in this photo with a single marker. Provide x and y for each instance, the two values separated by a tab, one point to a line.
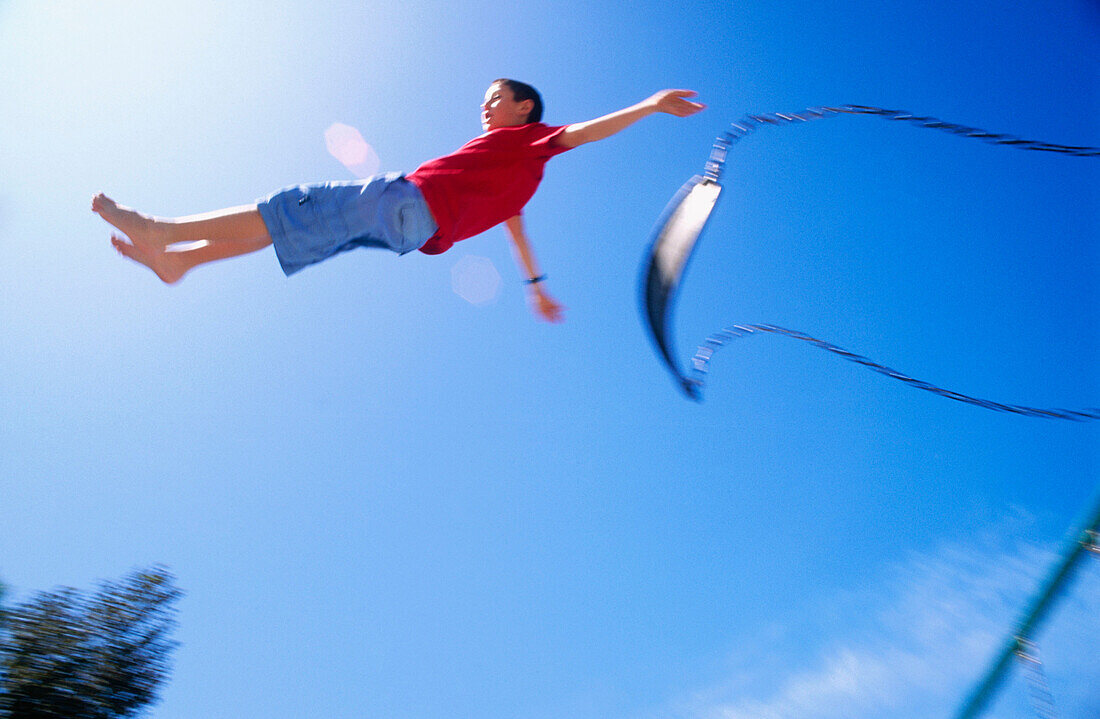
522	91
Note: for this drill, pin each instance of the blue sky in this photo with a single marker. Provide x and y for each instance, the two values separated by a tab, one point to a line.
385	501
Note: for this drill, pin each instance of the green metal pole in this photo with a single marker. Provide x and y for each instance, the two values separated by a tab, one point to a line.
1085	540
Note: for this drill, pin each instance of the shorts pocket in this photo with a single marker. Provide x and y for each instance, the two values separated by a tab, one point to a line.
415	224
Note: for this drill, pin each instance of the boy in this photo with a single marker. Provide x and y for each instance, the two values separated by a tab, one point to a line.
484	183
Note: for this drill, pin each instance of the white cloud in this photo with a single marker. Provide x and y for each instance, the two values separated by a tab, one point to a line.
922	644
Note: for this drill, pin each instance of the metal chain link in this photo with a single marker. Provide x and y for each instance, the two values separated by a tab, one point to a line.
1042	699
703	355
1093	543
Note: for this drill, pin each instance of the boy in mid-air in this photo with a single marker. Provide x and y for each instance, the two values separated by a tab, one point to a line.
484	183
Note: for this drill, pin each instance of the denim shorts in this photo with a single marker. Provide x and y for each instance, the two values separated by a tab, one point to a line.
310	223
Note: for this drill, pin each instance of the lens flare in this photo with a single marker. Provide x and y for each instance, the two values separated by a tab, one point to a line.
347	145
476	280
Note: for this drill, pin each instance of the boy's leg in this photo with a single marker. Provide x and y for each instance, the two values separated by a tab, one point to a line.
235	224
172	264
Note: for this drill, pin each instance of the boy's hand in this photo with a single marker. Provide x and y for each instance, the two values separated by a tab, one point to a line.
546	306
675	102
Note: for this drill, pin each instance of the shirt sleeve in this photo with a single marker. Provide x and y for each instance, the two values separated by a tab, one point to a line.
542	140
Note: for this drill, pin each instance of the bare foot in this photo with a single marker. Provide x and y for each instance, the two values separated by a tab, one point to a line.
143	231
166	265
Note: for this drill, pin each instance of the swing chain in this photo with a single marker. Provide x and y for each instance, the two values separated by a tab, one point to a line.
750	122
1042	700
705	352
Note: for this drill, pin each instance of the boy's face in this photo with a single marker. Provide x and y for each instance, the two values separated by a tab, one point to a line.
500	108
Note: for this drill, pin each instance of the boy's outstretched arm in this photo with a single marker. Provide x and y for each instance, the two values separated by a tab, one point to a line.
542	303
673	102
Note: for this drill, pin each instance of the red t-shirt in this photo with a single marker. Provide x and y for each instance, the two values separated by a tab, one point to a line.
484	182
